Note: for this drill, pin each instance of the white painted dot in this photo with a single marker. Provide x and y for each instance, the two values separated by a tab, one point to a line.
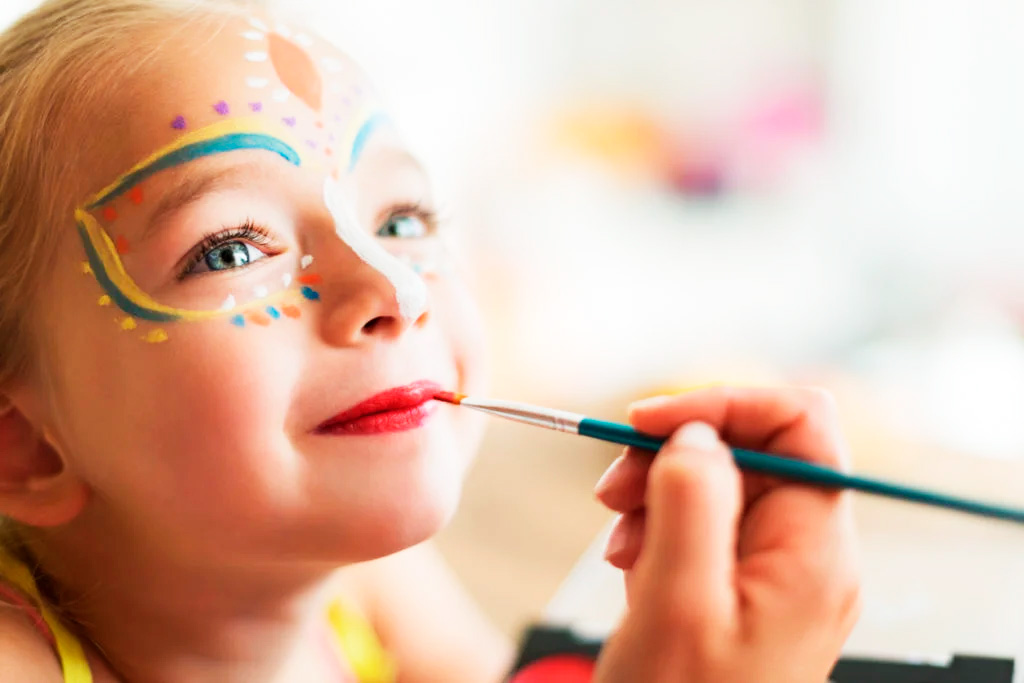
257	82
331	64
261	292
256	23
306	261
286	279
229	303
304	40
254	35
280	95
283	30
255	56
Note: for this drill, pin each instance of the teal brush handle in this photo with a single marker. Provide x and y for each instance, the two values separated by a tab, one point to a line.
797	470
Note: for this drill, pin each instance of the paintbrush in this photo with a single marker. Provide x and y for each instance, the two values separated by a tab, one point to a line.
750	461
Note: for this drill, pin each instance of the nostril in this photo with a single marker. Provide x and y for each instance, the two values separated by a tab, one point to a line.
372	325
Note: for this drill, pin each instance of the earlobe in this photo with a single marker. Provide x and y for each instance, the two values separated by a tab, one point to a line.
36	488
45	502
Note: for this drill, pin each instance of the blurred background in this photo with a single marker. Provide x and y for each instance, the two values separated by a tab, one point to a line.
655	194
649	195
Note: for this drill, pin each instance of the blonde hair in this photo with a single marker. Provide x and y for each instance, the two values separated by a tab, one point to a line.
55	61
55	64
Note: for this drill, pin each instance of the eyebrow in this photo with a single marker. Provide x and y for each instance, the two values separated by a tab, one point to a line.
194	188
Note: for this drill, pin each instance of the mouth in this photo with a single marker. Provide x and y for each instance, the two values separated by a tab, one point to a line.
393	410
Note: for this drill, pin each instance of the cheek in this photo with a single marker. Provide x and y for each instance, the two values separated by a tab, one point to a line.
457	314
196	419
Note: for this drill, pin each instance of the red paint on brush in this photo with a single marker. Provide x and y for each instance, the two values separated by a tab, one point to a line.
449	397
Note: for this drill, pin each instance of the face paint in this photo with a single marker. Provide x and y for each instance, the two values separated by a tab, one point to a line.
227	136
410	290
103	254
267	126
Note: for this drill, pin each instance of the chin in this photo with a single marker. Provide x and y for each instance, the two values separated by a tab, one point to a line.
396	505
408	517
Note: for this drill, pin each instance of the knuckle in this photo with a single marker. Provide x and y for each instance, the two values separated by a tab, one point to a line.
820	402
838	596
694	480
673	475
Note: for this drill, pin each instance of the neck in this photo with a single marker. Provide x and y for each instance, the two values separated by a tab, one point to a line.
158	618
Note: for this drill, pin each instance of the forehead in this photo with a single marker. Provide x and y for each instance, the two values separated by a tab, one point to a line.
279	75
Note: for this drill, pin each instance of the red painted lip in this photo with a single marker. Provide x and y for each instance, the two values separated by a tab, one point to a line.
394	410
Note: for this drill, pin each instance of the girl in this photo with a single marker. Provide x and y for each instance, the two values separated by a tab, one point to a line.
224	310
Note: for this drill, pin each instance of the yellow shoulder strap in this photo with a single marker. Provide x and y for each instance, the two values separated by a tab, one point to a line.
69	650
363	651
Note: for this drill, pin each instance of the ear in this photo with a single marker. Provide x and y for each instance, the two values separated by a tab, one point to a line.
36	488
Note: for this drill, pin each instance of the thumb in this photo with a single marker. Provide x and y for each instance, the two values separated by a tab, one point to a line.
689	557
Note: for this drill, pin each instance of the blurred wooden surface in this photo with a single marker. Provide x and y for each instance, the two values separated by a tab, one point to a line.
528	512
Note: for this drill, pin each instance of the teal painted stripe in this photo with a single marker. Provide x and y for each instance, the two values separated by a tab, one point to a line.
363	136
115	294
225	143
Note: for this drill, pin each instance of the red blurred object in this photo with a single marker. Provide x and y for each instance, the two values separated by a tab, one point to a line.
557	669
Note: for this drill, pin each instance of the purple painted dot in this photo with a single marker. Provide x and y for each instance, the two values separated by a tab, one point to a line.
347	101
178	123
222	108
311	143
311	294
289	121
256	106
332	138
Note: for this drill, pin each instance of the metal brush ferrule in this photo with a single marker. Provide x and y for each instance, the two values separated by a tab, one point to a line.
558	420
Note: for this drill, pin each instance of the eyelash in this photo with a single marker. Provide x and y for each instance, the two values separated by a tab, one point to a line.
429	217
259	235
249	231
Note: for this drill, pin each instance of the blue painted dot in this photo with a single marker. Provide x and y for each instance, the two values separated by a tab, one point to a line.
238	321
311	294
274	313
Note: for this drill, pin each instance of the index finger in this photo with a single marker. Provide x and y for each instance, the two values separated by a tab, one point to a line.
795	421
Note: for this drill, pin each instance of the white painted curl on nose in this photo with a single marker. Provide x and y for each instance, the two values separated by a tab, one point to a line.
410	289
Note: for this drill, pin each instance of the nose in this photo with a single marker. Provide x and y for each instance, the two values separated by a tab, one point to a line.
368	294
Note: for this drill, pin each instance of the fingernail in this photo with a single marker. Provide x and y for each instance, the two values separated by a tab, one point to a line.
609	474
698	436
648	403
616	539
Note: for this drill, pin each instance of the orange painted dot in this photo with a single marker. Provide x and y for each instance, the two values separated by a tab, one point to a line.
135	195
257	318
328	151
311	279
121	242
292	311
110	214
319	124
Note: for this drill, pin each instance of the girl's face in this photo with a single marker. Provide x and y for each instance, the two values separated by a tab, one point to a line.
258	257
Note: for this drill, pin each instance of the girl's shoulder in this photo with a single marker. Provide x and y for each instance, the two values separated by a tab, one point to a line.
25	655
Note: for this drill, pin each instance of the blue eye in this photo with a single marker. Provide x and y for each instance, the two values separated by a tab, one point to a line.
230	250
227	256
404	227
